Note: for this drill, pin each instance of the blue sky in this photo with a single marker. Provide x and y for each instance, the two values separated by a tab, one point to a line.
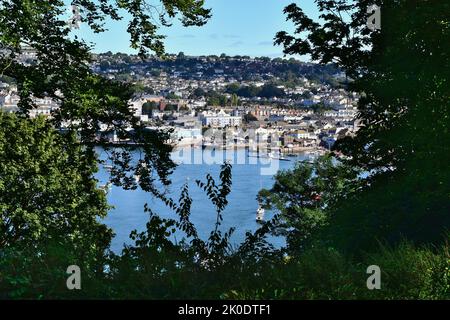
237	27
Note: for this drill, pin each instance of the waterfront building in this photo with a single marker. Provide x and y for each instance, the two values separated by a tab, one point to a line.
219	119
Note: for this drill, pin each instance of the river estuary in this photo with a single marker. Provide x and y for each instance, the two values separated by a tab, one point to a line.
250	174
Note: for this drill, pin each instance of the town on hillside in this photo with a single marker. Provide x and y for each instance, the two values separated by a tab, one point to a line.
306	106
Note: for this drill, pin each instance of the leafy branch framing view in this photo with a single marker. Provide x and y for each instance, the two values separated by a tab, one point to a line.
380	197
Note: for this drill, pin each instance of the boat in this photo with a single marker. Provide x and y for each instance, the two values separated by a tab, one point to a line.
272	155
106	187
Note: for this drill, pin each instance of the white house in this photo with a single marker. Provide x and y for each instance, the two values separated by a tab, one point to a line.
219	119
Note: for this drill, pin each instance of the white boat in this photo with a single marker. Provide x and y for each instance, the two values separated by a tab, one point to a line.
274	156
106	187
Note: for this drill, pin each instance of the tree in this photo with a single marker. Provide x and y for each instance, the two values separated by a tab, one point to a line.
402	74
171	107
149	107
306	95
270	90
164	266
172	96
62	69
319	108
303	196
248	91
198	93
234	99
216	99
48	193
140	88
232	88
155	72
50	205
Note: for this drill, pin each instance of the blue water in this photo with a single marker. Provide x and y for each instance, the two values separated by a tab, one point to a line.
248	178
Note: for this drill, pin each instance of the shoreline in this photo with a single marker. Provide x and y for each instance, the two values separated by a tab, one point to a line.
250	147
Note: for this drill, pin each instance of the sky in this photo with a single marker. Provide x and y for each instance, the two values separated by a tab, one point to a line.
237	27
